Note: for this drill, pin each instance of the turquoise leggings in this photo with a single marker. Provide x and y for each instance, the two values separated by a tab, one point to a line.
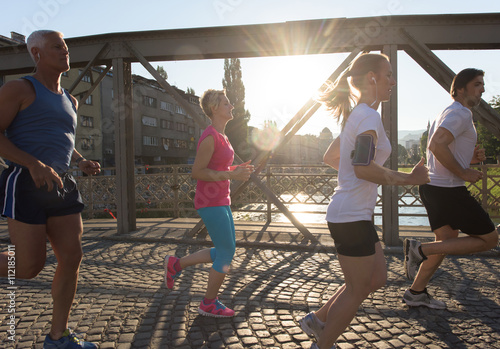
220	226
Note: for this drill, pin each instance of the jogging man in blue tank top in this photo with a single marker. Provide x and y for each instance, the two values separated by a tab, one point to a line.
37	138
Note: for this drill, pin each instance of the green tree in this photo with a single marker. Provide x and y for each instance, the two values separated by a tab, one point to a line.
237	129
489	142
402	155
162	72
190	91
414	154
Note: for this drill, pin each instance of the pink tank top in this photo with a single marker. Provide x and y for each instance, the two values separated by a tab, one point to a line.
209	194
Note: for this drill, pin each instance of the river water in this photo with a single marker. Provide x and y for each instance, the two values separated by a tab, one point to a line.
416	213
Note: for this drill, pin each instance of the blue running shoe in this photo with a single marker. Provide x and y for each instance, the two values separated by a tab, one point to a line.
69	340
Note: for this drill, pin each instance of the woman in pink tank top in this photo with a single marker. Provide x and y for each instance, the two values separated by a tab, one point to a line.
213	169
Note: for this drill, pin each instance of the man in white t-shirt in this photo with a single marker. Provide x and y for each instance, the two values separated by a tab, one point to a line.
451	208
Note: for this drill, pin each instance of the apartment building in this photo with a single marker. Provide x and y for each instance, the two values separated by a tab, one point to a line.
163	132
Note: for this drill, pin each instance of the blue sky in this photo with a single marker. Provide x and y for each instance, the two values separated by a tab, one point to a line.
275	87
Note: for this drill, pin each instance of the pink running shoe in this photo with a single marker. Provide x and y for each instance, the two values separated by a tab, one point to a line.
170	272
215	309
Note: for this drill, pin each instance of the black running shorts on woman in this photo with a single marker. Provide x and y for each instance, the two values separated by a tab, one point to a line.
355	239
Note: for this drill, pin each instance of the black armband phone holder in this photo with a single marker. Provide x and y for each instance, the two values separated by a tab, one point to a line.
364	150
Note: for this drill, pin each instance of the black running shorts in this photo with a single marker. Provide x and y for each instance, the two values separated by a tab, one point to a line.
355	239
21	200
455	207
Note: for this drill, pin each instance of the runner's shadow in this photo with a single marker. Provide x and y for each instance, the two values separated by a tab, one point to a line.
208	332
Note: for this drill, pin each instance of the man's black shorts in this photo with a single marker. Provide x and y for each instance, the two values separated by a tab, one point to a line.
21	200
455	207
355	239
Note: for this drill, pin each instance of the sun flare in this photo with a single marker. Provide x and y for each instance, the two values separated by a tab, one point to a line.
285	87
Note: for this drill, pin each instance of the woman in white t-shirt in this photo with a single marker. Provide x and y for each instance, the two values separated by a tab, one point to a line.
358	154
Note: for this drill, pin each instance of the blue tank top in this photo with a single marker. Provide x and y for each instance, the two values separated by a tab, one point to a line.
46	128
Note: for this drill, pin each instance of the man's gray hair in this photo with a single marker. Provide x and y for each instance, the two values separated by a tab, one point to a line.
37	38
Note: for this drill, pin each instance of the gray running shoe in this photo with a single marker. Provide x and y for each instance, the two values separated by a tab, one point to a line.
413	258
311	325
423	299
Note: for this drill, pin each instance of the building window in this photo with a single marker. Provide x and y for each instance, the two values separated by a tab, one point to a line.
166	106
169	125
87	121
149	121
87	77
181	127
191	130
181	144
149	101
87	144
167	143
88	101
148	140
180	110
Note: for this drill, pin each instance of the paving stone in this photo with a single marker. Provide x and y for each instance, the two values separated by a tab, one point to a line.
122	302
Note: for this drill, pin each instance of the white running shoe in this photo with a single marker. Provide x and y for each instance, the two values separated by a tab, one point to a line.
423	299
311	325
413	258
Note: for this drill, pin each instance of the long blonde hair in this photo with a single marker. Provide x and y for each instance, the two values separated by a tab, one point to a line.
339	97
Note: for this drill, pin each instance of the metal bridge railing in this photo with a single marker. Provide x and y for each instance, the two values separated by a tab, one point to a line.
168	191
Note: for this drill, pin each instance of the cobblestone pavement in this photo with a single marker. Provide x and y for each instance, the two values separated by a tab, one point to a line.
122	302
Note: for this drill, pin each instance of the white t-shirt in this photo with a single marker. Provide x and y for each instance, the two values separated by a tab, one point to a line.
354	199
458	120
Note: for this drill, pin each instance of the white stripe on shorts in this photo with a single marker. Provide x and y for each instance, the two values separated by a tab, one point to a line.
10	195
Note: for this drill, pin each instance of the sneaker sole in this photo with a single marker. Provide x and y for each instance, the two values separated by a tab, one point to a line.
420	304
204	313
307	330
